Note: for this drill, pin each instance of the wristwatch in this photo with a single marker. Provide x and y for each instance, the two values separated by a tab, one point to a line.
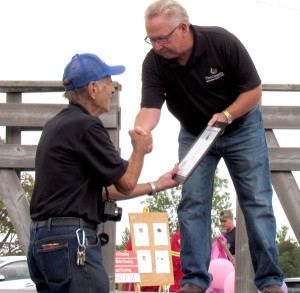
228	116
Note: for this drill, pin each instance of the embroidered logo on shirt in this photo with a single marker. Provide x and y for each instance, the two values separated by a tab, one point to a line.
213	71
214	75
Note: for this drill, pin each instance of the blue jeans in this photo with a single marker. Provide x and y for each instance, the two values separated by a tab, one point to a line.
55	269
244	150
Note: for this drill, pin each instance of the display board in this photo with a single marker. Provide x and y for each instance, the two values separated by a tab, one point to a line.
151	241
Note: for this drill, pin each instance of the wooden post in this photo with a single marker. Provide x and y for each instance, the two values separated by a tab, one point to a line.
11	190
286	189
244	273
16	204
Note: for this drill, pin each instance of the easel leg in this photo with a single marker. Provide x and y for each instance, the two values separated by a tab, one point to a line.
121	287
137	287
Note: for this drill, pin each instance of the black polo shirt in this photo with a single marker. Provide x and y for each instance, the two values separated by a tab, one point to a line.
75	158
217	72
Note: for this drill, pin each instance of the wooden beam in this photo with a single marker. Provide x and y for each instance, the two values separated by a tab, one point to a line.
20	156
284	159
281	117
287	190
26	86
17	156
16	203
35	86
244	272
281	87
36	115
288	193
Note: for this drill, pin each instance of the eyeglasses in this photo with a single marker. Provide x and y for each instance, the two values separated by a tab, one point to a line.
160	40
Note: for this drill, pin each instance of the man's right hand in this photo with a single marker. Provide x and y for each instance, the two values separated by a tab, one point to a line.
141	140
139	130
146	120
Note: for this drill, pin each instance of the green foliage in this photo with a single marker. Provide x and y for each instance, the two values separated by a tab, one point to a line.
9	244
221	201
281	234
27	182
168	200
289	254
125	237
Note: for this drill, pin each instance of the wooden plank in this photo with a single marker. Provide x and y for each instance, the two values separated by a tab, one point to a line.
17	156
35	86
281	117
287	190
56	86
23	156
284	159
13	134
109	250
244	272
281	87
36	115
16	204
288	193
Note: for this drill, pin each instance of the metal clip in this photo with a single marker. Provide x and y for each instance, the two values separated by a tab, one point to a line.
81	244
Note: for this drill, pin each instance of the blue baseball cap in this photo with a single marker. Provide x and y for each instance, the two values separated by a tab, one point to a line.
84	68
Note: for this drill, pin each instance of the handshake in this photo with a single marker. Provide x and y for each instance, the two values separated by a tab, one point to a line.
141	140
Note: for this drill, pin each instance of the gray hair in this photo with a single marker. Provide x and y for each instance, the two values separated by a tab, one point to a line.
80	93
171	8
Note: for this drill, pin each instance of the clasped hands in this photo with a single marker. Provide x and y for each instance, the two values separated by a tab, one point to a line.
141	138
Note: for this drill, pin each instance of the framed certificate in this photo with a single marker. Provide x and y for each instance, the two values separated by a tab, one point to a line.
198	150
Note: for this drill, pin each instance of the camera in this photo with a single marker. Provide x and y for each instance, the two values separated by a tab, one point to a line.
110	211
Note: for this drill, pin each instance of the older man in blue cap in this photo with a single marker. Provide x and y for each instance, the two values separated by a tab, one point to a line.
75	162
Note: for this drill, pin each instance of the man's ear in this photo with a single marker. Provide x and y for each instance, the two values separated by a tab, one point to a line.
92	89
183	27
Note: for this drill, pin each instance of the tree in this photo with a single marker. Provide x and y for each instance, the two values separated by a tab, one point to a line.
289	253
125	238
9	244
221	201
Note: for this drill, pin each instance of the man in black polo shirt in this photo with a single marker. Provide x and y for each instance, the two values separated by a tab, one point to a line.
205	74
75	162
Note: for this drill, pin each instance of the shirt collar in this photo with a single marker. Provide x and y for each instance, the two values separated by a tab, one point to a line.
79	106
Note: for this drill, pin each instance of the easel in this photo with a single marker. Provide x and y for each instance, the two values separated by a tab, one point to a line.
137	287
150	219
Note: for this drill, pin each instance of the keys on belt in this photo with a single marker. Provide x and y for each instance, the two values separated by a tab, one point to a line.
80	233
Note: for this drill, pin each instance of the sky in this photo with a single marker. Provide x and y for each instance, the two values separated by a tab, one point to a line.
40	37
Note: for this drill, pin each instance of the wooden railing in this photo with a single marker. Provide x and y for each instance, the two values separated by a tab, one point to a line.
17	117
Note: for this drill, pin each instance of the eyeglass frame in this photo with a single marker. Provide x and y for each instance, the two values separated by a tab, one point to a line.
160	40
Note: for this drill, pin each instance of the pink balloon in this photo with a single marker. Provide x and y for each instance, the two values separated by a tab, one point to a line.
229	283
220	268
